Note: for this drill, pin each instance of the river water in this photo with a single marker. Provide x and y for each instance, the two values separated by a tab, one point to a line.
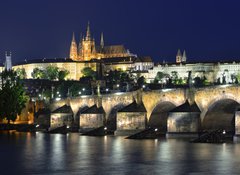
39	153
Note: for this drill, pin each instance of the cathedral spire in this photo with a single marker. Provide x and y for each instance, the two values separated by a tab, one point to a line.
73	37
102	41
73	49
88	34
184	57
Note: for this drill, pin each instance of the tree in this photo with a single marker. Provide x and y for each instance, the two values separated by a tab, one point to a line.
76	89
21	73
12	96
52	72
174	77
62	74
38	73
159	77
88	72
238	77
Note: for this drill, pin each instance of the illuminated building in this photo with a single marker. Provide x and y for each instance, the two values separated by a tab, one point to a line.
88	49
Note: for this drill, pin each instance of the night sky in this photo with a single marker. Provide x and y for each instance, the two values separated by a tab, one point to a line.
207	29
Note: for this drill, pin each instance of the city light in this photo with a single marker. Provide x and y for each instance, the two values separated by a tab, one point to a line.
224	132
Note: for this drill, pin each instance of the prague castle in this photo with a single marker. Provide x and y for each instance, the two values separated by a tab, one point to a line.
87	49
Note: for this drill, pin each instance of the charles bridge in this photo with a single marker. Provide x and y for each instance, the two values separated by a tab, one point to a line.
217	104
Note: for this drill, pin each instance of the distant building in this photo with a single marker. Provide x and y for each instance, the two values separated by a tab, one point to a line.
222	72
73	67
181	58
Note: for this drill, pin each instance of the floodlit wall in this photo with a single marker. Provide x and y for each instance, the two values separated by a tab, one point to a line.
131	120
91	121
183	122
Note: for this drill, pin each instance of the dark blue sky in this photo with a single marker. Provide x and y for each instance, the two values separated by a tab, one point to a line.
207	29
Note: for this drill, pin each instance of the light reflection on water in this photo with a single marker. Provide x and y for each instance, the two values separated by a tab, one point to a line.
38	153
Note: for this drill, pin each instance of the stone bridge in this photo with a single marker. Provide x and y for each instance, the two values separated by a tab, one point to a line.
217	104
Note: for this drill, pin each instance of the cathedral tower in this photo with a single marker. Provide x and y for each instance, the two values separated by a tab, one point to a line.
73	49
88	46
179	56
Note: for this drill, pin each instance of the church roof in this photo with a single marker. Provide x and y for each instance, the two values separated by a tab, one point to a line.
113	49
134	107
186	107
65	109
94	110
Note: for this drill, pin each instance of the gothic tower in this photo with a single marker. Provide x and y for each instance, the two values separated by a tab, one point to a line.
179	56
73	49
184	57
88	46
8	61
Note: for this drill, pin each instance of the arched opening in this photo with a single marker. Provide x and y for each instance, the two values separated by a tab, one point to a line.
220	115
111	121
159	116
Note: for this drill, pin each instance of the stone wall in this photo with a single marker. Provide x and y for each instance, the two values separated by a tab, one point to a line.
91	121
237	123
183	122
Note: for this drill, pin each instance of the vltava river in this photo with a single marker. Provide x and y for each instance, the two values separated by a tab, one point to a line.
28	153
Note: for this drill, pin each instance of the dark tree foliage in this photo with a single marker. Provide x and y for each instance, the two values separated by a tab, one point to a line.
21	73
89	72
141	81
62	74
12	96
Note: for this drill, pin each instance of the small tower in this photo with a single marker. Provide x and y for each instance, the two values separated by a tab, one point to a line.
8	61
179	56
102	41
184	57
73	49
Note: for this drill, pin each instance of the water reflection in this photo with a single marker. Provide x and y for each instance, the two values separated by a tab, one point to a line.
28	153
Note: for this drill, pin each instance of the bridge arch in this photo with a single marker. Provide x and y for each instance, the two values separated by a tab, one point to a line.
219	113
159	115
